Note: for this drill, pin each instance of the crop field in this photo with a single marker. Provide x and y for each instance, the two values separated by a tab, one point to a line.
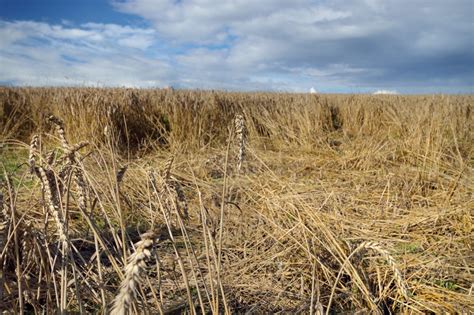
129	201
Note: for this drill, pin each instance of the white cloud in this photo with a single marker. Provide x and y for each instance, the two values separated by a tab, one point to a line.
136	41
338	45
375	40
36	53
385	92
201	20
208	21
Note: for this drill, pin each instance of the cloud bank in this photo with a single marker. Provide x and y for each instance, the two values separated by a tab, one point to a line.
35	53
336	46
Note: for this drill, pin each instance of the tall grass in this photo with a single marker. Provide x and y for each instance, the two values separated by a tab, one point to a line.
256	202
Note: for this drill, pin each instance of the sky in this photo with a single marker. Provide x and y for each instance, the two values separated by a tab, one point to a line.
330	46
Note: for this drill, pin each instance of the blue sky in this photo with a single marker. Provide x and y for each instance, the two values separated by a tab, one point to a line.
354	46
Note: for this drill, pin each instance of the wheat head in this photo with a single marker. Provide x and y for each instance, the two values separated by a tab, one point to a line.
133	273
241	135
401	285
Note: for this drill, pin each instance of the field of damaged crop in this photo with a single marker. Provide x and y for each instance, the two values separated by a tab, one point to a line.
181	202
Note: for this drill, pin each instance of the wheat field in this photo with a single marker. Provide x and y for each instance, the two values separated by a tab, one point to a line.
129	201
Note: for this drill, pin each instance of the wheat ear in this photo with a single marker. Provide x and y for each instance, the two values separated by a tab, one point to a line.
167	168
71	160
52	203
391	262
133	270
386	255
180	197
33	153
4	223
173	183
241	135
60	130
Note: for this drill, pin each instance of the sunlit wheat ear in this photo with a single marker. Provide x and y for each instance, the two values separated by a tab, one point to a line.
81	188
52	203
402	288
241	135
60	130
33	153
133	272
78	173
71	161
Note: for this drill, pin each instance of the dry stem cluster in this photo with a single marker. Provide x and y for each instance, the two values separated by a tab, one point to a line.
212	202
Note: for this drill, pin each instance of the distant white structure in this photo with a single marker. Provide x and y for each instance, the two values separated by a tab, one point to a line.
385	92
168	88
312	91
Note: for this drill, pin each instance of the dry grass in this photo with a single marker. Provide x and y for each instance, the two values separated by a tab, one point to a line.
262	202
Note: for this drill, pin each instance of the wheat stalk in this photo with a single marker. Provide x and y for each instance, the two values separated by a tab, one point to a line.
133	271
